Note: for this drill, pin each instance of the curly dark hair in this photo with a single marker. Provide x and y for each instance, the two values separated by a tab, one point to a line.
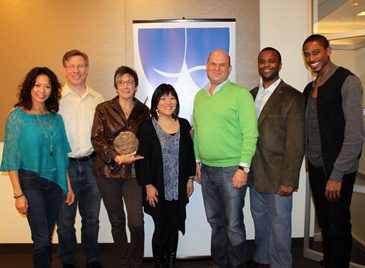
25	88
160	91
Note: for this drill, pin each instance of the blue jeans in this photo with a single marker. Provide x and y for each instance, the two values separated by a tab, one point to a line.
272	218
87	197
44	198
224	210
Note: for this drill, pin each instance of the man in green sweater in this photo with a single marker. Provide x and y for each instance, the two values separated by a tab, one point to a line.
225	135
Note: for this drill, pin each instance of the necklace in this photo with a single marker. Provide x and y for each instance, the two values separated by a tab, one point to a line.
49	144
40	111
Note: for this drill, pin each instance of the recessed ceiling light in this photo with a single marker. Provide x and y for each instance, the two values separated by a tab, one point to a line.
355	4
361	13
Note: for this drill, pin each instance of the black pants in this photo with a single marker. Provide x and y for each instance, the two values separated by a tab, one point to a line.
113	191
168	225
333	217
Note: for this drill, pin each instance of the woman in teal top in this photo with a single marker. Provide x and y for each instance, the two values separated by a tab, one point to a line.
35	155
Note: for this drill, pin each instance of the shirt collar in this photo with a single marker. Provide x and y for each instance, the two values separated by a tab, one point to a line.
271	88
207	86
67	90
330	72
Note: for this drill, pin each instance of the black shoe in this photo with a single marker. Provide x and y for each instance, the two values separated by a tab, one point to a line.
69	266
252	264
94	264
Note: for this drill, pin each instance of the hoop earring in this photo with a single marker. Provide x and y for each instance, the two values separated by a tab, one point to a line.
157	113
174	114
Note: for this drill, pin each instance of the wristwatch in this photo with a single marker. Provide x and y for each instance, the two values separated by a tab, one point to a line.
245	169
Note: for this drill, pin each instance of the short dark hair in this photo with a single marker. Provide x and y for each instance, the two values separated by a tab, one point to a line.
122	70
317	38
72	53
160	91
272	49
25	88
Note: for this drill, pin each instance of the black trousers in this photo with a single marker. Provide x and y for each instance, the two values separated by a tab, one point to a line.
167	227
333	217
113	192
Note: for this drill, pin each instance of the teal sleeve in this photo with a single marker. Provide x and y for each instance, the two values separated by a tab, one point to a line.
65	143
11	156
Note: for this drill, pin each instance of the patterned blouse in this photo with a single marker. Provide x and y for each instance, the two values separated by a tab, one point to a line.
170	156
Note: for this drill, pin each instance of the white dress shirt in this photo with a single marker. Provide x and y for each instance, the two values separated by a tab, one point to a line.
78	116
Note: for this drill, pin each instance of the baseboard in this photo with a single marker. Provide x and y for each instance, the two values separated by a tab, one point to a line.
358	243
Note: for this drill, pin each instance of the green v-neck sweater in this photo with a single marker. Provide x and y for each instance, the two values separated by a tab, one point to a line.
225	126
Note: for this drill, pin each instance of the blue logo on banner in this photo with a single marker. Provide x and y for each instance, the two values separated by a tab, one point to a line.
164	52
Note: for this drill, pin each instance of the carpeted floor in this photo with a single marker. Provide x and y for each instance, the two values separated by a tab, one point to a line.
19	256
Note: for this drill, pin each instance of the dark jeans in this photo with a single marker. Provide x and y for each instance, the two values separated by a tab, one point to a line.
44	198
224	210
87	197
333	217
113	192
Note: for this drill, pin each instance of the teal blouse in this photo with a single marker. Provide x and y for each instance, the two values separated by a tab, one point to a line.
27	146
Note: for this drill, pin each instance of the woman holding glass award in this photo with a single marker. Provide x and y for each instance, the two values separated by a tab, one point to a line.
113	137
167	172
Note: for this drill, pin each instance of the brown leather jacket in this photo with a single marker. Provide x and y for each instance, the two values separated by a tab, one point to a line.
109	121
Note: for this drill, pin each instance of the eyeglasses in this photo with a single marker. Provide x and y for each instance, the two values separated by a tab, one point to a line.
128	82
79	67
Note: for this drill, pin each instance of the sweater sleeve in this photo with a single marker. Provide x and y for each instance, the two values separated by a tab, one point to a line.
12	157
351	92
195	140
65	144
248	126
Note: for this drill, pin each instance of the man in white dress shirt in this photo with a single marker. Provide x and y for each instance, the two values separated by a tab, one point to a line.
77	108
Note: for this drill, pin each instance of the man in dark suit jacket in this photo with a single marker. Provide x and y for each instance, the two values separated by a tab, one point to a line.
276	165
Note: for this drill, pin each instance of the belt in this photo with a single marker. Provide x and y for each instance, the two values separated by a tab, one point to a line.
83	159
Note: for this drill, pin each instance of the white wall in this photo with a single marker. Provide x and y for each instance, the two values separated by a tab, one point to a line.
280	29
